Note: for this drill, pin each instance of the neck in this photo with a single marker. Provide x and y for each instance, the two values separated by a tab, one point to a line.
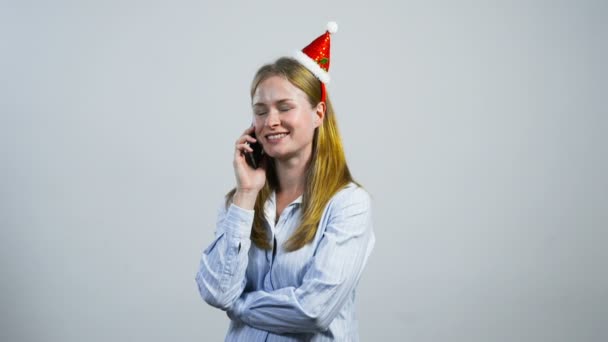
291	173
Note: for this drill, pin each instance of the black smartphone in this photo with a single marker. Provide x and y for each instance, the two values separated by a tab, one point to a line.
254	158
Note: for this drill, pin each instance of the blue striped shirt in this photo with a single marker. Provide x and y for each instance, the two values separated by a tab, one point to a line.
308	294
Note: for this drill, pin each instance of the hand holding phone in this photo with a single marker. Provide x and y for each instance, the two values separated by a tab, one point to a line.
254	159
249	162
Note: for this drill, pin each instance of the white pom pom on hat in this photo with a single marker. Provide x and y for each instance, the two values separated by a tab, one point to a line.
332	27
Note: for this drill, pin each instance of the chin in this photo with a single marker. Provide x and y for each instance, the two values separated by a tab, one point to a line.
284	156
275	154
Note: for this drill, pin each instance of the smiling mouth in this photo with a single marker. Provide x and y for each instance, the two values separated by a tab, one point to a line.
276	137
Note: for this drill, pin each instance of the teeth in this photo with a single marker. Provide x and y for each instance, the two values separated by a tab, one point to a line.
276	136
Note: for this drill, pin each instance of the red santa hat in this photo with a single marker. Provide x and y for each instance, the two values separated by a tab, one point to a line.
315	57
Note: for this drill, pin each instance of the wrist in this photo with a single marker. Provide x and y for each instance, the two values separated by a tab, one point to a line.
247	191
245	198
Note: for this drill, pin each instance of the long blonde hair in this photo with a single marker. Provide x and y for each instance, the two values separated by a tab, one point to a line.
326	173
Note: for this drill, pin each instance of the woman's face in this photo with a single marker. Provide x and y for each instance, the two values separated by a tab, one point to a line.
284	120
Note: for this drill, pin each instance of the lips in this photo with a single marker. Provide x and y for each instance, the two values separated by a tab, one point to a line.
276	137
275	133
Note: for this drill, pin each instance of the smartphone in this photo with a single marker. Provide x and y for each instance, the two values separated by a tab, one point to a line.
254	158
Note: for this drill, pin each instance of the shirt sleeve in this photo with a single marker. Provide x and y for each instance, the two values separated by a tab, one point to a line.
221	274
338	263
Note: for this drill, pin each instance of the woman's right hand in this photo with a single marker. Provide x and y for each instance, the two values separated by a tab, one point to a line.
248	179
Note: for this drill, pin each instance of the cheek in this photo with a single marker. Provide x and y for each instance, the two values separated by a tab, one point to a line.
258	124
257	130
304	133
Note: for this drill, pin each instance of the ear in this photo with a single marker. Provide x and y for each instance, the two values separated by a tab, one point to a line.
319	114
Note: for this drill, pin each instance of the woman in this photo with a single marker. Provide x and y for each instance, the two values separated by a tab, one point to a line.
294	235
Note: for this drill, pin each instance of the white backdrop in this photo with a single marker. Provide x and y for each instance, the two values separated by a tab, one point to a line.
478	127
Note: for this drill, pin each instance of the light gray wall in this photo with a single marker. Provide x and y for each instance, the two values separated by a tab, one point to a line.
479	128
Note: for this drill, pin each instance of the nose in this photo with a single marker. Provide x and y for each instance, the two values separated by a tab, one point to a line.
272	119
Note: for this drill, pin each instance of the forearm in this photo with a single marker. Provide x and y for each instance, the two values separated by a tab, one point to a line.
221	274
281	311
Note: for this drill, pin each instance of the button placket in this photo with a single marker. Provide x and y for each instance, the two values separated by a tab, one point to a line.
273	238
286	213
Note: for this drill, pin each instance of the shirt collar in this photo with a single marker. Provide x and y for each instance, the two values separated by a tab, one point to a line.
271	204
273	196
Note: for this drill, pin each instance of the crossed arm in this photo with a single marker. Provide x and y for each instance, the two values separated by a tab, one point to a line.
339	260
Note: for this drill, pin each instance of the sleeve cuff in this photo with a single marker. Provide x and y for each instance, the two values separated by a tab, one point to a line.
239	221
237	309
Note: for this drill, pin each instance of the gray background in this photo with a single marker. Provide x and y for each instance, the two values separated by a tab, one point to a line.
479	128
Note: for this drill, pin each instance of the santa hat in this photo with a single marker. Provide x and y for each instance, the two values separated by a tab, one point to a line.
315	57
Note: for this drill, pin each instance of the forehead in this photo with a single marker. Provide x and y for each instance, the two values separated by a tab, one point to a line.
276	88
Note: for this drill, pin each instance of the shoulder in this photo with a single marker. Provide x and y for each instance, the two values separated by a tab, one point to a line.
352	195
349	212
352	192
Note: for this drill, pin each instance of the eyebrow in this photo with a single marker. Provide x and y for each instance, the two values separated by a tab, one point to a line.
260	104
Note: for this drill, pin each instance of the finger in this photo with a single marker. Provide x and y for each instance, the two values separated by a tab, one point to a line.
244	147
249	129
245	138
